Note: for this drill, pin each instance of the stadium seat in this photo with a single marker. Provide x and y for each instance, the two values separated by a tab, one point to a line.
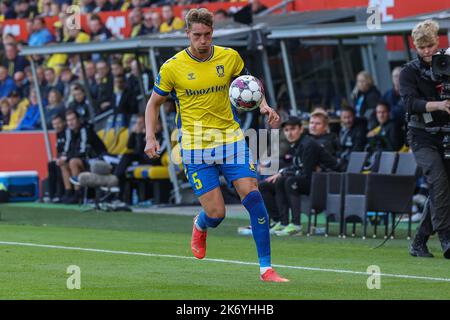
335	187
393	193
355	194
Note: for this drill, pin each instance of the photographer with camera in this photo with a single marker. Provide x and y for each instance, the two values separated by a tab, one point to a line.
423	84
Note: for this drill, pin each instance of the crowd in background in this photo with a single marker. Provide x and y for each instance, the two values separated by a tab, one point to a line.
372	122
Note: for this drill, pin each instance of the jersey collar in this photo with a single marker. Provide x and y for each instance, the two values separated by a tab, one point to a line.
197	59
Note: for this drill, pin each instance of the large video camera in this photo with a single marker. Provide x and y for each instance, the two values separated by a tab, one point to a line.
440	70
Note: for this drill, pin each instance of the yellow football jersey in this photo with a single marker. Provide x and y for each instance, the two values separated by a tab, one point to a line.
200	90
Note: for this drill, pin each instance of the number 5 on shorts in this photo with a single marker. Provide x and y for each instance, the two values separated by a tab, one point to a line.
197	182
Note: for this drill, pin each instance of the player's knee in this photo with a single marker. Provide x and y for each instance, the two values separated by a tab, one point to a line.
216	212
75	162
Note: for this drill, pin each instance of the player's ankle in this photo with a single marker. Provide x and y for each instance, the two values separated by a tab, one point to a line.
263	270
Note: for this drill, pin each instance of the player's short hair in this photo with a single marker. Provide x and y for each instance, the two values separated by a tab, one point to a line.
58	116
72	111
202	15
320	114
425	33
385	104
348	109
366	76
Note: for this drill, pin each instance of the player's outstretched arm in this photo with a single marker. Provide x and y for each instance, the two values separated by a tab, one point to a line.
274	118
151	120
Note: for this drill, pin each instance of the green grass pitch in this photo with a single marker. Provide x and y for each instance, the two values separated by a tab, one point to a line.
147	256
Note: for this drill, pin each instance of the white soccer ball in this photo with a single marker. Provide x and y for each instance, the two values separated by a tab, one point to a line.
246	93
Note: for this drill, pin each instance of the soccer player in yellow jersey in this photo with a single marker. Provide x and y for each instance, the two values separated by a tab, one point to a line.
212	141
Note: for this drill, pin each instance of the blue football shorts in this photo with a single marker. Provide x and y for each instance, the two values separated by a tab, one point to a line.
204	166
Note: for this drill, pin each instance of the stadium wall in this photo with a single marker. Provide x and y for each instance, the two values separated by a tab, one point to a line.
22	151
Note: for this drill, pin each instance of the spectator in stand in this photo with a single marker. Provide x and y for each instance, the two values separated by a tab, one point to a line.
77	36
170	22
136	143
18	109
387	135
5	112
13	61
21	83
365	98
40	34
352	136
105	85
117	68
82	144
147	24
79	102
392	97
46	10
6	83
87	6
319	130
55	179
24	10
90	74
55	9
156	22
138	4
6	10
98	30
135	19
32	118
67	78
123	100
55	107
102	6
117	5
52	81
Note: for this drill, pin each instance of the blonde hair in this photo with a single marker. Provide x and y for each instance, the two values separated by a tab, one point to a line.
425	33
367	76
321	114
201	15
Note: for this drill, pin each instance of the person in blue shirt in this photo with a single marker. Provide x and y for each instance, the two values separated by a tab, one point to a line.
32	118
393	98
40	35
6	83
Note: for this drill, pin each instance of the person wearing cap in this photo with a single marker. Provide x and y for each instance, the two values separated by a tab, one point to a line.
307	155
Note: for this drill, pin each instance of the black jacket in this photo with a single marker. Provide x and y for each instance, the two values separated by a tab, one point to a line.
307	156
60	143
390	138
84	144
368	105
329	141
353	139
416	89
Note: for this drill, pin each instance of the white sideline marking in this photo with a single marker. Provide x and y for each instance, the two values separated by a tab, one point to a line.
403	276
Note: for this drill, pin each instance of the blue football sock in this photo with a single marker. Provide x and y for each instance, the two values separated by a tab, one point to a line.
204	222
259	220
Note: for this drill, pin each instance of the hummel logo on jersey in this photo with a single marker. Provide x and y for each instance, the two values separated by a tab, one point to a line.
191	76
261	220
